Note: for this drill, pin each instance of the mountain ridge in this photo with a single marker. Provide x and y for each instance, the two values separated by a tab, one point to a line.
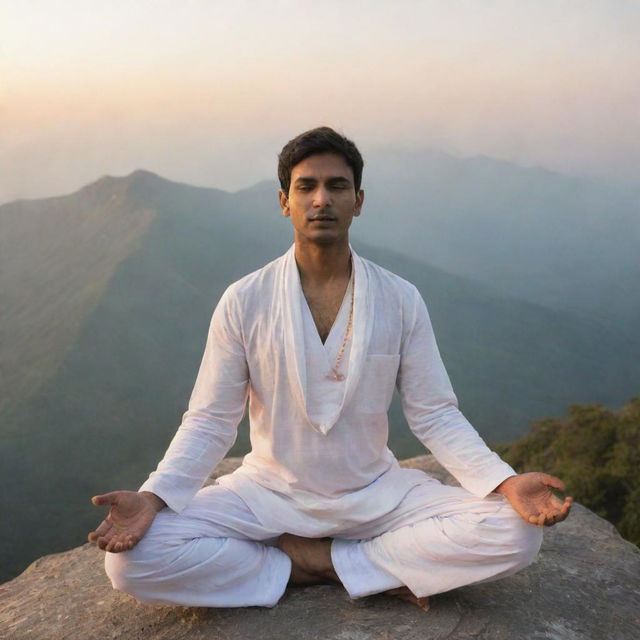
115	393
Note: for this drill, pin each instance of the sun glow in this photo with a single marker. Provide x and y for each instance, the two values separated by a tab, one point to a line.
208	91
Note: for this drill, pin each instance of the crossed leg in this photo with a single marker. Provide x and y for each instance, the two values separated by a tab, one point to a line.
311	563
216	553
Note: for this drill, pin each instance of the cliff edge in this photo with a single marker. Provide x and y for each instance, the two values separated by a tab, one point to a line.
584	585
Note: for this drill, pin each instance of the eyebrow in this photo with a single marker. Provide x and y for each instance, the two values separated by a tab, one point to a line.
311	180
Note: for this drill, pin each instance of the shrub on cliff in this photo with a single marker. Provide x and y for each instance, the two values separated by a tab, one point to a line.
596	452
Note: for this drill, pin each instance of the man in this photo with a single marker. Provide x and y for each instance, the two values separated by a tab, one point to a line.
317	340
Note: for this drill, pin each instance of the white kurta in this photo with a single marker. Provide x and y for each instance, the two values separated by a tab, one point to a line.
320	467
319	464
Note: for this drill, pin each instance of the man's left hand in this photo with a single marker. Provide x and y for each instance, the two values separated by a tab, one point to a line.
530	494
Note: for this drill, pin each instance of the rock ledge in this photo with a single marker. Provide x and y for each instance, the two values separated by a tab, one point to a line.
584	585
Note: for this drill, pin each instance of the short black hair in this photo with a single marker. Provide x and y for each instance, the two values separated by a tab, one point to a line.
315	141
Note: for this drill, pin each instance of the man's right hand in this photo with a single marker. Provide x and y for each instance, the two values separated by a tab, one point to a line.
130	515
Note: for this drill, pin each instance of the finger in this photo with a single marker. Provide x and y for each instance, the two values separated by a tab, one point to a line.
93	537
114	545
132	541
101	530
103	542
554	503
565	509
106	498
561	511
552	481
561	516
122	545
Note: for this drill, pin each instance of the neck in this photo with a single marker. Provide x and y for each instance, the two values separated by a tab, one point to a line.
323	264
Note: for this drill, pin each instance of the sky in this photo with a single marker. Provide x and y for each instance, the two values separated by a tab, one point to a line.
207	92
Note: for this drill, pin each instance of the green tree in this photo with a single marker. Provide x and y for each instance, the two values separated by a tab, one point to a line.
596	452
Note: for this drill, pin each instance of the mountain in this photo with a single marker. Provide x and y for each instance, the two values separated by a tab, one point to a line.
567	242
109	292
56	257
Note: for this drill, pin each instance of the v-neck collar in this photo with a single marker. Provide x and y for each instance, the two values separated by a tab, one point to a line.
290	305
337	321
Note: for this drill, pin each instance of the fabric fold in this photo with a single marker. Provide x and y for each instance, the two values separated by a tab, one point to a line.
290	307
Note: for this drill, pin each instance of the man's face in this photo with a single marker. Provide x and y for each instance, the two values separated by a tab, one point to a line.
322	200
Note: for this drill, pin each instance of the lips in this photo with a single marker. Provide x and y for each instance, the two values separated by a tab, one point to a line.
322	219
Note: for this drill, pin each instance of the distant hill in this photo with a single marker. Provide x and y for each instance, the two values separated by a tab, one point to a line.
566	242
56	257
109	293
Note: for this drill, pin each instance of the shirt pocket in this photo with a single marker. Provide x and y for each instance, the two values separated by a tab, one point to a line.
378	380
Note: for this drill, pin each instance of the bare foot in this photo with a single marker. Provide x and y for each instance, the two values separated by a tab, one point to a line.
405	594
310	559
311	564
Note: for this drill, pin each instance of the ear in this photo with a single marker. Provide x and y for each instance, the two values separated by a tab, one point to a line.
283	198
359	202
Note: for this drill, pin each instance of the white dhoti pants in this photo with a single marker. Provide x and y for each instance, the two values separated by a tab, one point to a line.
216	553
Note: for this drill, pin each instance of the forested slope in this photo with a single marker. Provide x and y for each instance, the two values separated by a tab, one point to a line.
596	452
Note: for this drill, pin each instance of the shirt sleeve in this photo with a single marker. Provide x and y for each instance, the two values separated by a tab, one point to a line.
209	427
431	409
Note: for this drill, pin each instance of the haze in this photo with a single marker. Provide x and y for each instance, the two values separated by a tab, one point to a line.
207	92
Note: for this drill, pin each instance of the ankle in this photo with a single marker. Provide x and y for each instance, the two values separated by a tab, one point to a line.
310	558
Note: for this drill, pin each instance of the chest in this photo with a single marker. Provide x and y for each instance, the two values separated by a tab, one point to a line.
324	306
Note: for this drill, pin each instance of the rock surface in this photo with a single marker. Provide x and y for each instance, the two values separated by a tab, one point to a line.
584	585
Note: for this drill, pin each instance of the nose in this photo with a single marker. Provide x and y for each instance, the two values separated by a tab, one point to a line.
321	197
